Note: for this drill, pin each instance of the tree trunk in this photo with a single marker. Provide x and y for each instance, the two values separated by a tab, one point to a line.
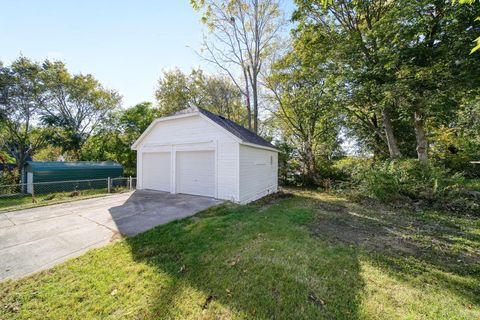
247	98
379	139
391	140
310	163
422	143
255	106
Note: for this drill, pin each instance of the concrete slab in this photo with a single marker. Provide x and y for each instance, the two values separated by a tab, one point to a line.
5	221
35	239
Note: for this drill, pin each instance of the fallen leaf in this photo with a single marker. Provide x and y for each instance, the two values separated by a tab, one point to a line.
234	262
316	300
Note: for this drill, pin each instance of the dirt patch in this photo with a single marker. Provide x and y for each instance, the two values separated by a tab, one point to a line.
395	236
331	207
371	238
272	199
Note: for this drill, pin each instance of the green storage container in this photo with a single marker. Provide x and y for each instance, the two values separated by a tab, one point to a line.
71	174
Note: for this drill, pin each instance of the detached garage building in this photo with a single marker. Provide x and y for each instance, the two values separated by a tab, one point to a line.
197	152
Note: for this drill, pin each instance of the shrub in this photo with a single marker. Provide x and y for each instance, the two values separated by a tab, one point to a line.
382	185
350	167
411	180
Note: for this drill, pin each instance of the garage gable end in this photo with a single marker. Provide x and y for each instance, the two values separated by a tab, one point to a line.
232	129
183	129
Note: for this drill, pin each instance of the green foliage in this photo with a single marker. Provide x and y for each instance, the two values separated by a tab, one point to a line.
49	153
411	180
44	107
380	184
114	139
8	177
177	90
477	40
74	105
22	99
399	64
350	166
306	115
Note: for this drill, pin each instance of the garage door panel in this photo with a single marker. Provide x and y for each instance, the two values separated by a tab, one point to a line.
156	171
195	173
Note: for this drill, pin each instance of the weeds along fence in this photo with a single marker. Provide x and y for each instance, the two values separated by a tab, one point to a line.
26	194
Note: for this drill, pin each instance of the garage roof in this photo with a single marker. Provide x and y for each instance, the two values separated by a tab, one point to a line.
234	128
242	134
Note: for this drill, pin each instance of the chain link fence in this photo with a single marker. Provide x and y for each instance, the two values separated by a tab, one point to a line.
27	195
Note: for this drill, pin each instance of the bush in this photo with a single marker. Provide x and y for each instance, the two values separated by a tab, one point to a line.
411	180
379	184
350	167
9	177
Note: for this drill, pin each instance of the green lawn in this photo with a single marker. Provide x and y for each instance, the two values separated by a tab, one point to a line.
308	256
18	202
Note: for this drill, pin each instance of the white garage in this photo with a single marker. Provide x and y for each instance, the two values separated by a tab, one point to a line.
197	152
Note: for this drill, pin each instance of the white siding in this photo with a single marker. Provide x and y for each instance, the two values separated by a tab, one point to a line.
258	173
195	133
227	171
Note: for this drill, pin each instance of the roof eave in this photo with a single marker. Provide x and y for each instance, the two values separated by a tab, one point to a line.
254	145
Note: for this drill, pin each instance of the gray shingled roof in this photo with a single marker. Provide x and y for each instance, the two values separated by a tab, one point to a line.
243	133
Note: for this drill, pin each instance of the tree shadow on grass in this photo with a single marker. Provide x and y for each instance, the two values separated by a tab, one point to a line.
406	245
254	261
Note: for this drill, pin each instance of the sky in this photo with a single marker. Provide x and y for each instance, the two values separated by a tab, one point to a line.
124	44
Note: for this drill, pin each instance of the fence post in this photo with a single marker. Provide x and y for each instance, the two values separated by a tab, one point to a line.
109	185
130	182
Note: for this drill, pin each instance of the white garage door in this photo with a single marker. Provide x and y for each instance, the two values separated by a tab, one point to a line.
196	173
156	171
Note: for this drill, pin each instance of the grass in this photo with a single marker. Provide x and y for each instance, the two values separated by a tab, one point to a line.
308	256
473	184
18	202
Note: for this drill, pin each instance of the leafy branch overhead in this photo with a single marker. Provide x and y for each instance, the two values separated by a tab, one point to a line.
477	40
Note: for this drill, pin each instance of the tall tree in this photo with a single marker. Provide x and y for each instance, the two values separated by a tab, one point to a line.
22	97
75	105
177	90
242	34
306	112
350	28
398	58
433	71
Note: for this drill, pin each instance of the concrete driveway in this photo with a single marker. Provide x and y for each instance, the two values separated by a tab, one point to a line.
38	238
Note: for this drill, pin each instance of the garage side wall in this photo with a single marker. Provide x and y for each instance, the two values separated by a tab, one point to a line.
258	173
195	134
